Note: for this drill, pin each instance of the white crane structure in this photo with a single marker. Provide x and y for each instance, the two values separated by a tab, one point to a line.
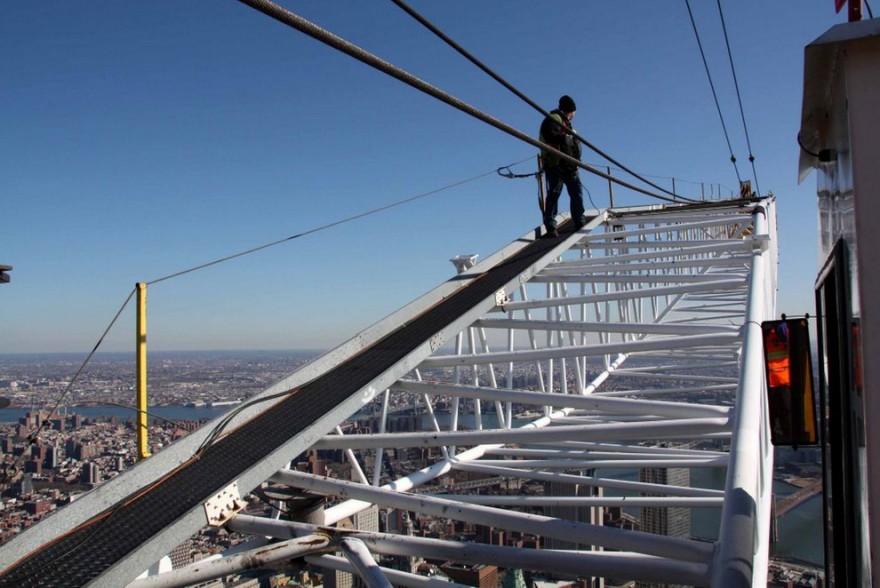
631	344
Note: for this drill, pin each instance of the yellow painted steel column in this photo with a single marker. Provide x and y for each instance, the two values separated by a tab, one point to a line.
141	367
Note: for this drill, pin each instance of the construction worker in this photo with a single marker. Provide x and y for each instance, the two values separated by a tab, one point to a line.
556	131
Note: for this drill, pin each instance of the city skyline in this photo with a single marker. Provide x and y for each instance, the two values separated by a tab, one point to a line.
186	373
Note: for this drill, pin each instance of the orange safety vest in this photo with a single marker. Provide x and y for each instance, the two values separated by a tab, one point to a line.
777	361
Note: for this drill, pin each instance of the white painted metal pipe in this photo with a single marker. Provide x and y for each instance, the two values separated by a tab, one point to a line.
666	219
736	564
722	285
576	563
255	559
647	268
591	402
584	501
679	376
683	250
527	355
611	448
606	327
592	464
678	367
539	525
357	554
350	507
658	489
672	453
670	429
397	577
671	244
566	276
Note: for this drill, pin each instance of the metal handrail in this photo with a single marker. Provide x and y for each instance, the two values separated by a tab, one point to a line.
741	552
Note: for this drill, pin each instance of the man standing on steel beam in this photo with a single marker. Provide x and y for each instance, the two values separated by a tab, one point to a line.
556	131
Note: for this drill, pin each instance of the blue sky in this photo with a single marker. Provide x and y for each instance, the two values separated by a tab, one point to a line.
141	139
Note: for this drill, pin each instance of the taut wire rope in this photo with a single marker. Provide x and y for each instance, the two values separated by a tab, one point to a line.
739	98
311	29
714	94
449	41
34	436
333	224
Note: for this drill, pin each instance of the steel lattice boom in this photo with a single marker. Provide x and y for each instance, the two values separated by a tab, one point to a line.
553	365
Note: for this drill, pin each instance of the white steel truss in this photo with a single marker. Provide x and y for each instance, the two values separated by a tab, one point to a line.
634	291
634	347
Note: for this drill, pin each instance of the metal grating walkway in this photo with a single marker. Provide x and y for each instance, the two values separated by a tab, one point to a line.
86	552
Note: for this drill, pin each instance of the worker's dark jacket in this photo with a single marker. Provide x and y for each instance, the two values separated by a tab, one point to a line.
553	133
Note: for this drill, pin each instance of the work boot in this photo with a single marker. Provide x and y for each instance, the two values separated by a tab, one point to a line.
551	232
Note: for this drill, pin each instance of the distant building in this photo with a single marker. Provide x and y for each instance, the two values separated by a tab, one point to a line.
483	576
580	514
70	447
34	419
51	459
514	579
366	520
37	507
398	521
669	521
91	473
184	554
23	488
315	465
83	451
38	452
32	466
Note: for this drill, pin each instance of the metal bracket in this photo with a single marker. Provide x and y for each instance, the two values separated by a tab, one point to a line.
222	506
760	243
501	298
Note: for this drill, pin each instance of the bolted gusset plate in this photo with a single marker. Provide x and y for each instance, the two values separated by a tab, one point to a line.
223	505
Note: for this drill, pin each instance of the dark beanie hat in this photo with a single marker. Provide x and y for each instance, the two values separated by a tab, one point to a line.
566	104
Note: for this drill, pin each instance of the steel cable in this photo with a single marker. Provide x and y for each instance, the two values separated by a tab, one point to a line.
35	435
714	94
739	98
449	41
311	29
330	225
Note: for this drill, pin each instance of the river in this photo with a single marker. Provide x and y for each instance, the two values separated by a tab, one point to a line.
800	530
174	413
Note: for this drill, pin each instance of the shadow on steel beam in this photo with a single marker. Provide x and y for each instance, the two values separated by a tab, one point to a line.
736	549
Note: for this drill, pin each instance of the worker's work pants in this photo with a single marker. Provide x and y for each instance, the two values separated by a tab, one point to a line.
556	177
